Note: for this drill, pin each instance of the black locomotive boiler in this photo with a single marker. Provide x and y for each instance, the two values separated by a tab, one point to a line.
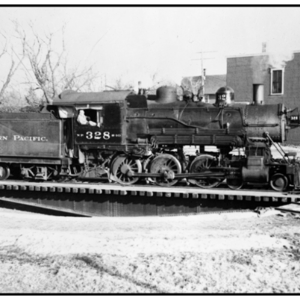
124	137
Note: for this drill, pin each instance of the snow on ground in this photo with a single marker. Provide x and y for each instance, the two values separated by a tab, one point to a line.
232	253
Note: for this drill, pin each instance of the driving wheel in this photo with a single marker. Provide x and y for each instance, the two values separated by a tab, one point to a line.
123	169
202	164
168	166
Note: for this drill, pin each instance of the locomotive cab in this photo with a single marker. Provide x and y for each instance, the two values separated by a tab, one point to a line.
97	119
103	127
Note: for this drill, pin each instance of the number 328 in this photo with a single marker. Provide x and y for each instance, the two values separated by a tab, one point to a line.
97	135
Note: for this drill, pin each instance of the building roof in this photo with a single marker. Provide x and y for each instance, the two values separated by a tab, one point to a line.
213	83
258	54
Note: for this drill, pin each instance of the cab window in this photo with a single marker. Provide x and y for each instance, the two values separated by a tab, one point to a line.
92	117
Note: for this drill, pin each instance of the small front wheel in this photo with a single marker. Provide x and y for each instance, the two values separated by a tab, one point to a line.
234	183
279	182
4	172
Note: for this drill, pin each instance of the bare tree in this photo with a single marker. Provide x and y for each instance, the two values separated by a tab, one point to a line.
119	84
15	62
50	66
78	81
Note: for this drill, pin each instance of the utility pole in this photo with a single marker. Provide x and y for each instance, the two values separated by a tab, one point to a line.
203	71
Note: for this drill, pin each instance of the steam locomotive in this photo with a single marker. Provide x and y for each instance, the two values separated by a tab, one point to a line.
124	137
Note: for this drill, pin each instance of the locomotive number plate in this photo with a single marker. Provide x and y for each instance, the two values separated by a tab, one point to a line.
92	136
97	135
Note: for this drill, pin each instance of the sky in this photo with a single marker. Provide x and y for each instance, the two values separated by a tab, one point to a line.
134	43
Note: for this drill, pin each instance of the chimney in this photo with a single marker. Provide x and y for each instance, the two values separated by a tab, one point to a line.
264	47
258	94
140	90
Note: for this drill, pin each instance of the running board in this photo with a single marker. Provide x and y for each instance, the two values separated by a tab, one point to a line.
178	176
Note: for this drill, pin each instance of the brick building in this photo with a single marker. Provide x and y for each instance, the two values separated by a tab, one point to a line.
255	79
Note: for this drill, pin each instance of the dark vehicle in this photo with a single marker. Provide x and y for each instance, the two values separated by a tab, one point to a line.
124	137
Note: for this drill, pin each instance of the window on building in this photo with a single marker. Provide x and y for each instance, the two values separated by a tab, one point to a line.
277	81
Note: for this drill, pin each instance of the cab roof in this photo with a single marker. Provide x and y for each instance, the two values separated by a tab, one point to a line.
74	98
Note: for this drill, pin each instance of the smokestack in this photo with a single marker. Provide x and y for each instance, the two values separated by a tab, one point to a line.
264	47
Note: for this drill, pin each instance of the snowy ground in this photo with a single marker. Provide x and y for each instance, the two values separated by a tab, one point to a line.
232	253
